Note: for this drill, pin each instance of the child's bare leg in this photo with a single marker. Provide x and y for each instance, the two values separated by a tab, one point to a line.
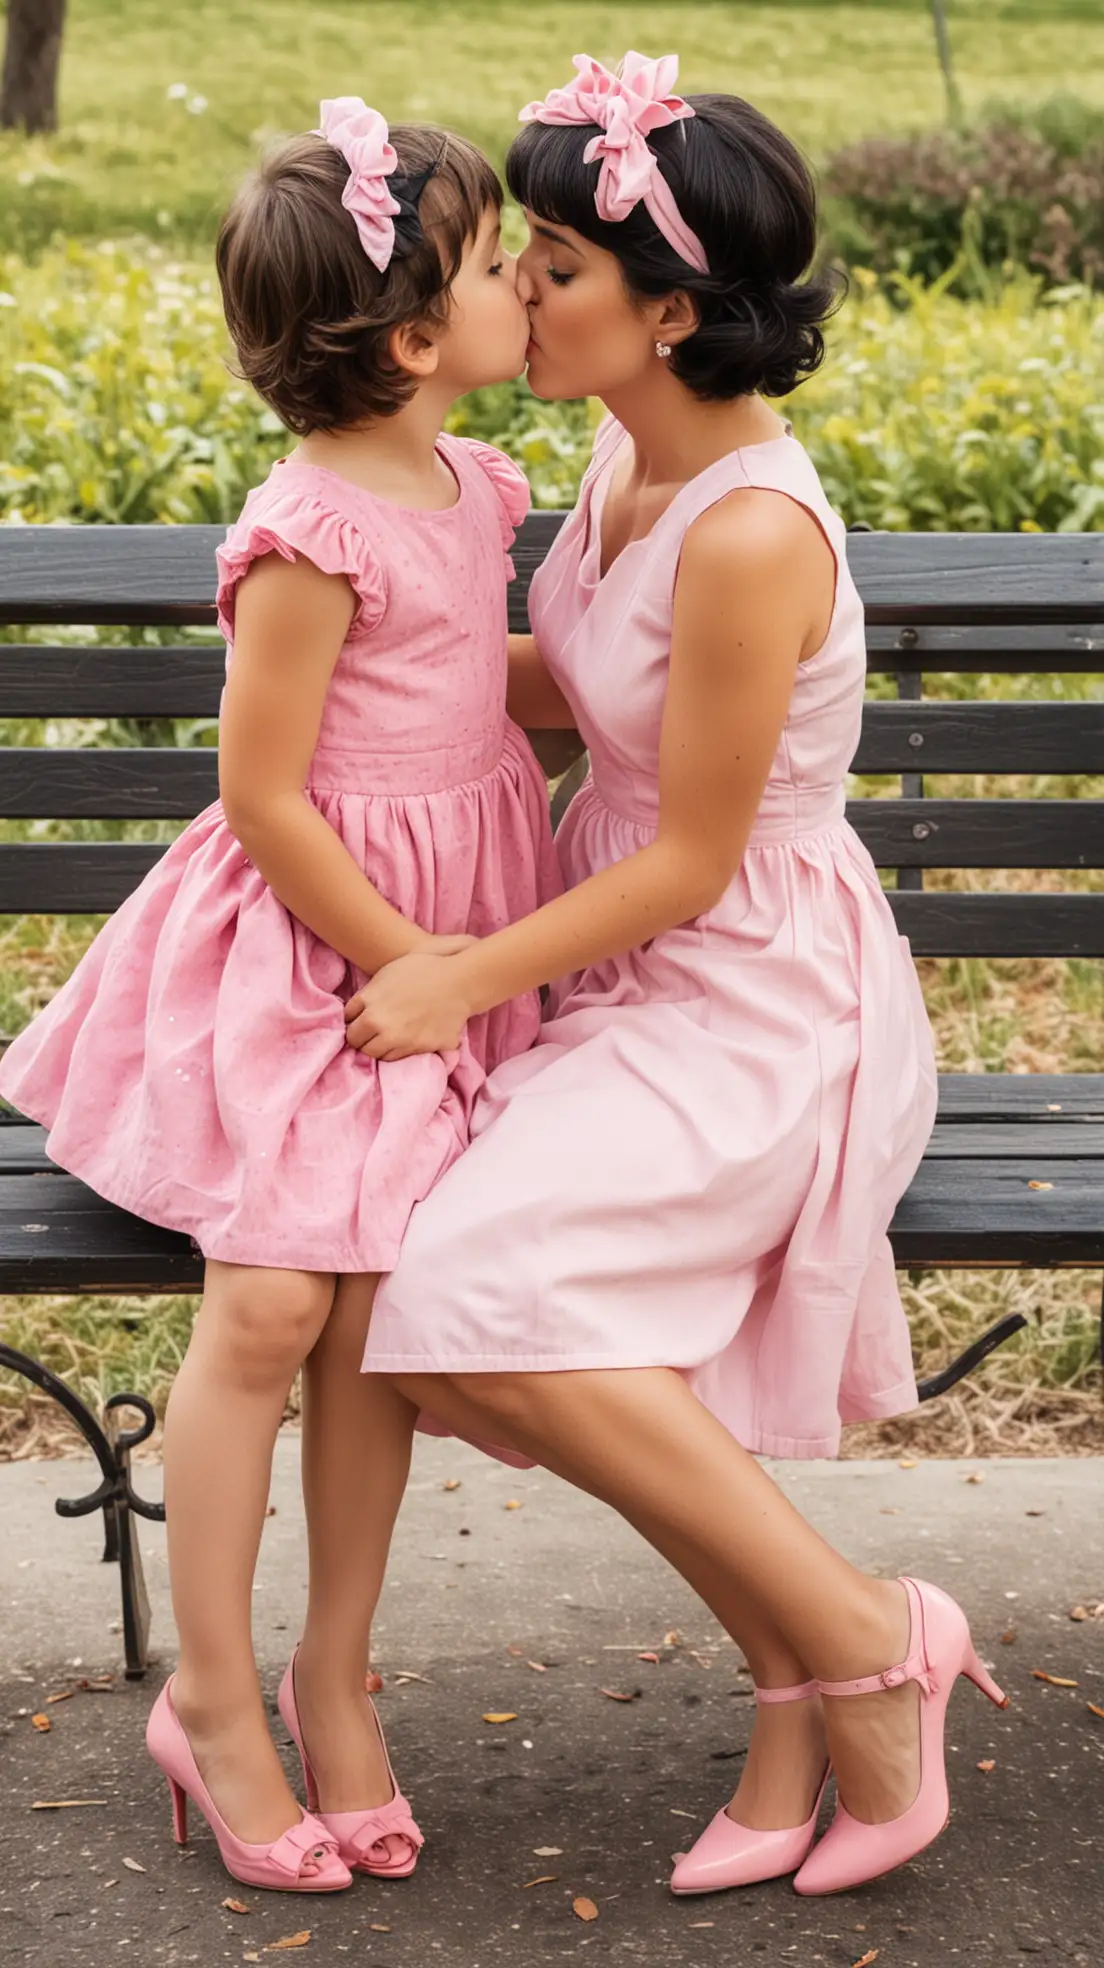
254	1329
357	1434
638	1438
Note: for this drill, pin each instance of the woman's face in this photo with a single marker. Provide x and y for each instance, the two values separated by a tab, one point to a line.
587	338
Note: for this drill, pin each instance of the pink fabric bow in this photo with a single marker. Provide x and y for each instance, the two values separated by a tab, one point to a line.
360	134
627	107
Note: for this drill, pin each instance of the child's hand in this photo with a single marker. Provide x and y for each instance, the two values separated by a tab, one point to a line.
444	946
415	1004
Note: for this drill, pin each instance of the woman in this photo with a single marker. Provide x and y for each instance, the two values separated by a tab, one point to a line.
667	1247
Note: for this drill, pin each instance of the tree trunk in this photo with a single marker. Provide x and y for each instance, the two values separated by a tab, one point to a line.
32	56
946	62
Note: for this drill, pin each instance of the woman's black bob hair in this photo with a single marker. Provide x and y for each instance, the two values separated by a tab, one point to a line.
750	196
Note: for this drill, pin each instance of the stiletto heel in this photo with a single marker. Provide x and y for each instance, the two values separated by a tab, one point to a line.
358	1834
940	1649
731	1854
304	1860
179	1810
976	1671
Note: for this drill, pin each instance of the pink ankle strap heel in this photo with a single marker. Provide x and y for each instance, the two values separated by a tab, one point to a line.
304	1860
731	1854
940	1649
361	1836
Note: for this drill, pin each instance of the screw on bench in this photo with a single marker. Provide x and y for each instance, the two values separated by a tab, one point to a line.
111	1446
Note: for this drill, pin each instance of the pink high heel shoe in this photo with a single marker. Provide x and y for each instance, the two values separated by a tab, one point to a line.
304	1860
358	1833
732	1854
940	1649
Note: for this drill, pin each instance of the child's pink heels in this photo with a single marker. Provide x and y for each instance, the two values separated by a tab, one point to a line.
940	1649
732	1854
304	1860
361	1835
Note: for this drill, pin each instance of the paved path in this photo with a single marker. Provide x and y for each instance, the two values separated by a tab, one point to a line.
479	1590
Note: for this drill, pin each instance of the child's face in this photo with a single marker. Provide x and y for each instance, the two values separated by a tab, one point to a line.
488	326
586	335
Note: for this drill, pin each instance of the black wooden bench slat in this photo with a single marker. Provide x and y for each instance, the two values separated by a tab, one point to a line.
969	1141
1048	1097
56	1235
165	574
973	648
986	737
177	682
940	924
106	782
71	878
974	833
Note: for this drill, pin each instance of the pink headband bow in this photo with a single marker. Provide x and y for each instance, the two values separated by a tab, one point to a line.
627	107
360	134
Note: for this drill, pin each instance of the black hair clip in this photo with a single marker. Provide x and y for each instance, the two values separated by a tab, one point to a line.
407	190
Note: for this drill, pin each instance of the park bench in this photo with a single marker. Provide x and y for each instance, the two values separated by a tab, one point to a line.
1014	1174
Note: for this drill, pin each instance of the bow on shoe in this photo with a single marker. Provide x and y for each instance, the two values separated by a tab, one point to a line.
391	1820
306	1840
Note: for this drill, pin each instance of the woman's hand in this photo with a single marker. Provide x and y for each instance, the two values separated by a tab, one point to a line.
416	1004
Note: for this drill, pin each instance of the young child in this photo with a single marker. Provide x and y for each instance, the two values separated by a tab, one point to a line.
375	802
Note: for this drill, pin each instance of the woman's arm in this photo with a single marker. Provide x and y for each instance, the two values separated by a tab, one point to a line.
291	621
753	596
533	697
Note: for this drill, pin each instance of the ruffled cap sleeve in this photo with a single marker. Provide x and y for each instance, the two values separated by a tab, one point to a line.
283	521
511	488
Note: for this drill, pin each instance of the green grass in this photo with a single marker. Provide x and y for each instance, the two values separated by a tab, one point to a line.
126	158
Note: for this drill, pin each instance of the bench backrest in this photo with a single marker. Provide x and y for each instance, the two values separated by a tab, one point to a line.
936	603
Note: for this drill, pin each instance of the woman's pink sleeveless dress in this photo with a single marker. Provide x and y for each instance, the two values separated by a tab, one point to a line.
194	1068
697	1164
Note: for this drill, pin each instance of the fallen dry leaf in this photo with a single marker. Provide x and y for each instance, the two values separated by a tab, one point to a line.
545	1879
1095	1709
653	1658
100	1687
132	1865
673	1638
1008	1639
908	1463
976	1476
615	1696
584	1909
69	1803
377	1927
1054	1106
889	1510
538	1667
251	1956
702	1923
1080	1613
512	1505
1034	1513
507	1715
987	1763
453	1483
676	1813
548	1851
1040	1185
235	1906
289	1941
68	1693
1052	1680
870	1955
703	1660
408	1674
42	1723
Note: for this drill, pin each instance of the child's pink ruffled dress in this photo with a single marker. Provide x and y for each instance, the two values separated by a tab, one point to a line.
194	1068
697	1164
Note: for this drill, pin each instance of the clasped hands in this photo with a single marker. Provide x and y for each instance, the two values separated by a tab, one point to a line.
414	1004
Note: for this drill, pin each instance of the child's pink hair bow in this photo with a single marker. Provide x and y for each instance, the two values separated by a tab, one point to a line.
627	107
360	134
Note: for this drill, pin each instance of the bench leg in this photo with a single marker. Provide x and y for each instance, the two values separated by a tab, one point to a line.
111	1446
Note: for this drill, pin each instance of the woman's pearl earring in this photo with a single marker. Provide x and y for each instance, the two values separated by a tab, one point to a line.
663	349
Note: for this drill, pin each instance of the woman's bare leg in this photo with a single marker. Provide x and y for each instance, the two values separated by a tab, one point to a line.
639	1439
253	1330
357	1434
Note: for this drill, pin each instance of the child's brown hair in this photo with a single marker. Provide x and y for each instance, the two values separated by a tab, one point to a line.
308	312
